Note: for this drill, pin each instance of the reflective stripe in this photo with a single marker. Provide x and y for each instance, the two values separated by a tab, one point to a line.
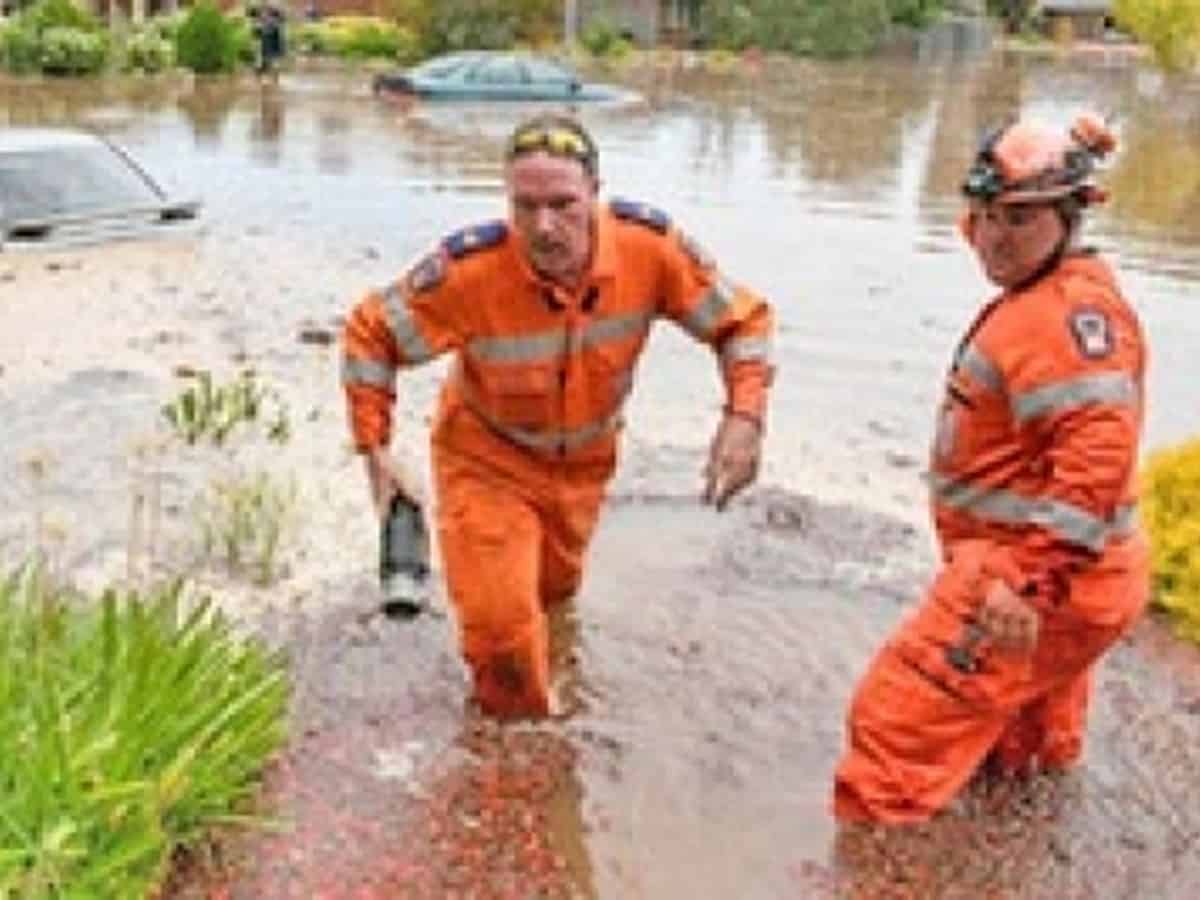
526	348
404	329
550	344
701	321
368	371
614	328
981	368
1106	387
746	348
1075	525
571	439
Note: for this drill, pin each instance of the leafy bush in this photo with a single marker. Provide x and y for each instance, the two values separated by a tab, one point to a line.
818	27
206	40
361	37
71	51
20	47
127	728
47	14
915	13
1171	28
1171	511
148	51
210	410
600	37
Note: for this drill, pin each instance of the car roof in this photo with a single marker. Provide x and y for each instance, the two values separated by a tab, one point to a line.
22	140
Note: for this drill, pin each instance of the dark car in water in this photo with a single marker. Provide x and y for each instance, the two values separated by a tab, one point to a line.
61	186
493	75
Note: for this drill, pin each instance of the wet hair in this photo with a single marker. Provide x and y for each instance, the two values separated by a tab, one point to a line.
558	135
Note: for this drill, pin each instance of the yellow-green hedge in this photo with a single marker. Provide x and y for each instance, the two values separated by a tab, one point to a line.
1171	511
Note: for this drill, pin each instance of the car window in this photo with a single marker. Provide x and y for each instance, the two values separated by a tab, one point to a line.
541	71
498	71
65	180
440	68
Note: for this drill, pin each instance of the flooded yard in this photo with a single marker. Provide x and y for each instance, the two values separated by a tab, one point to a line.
708	658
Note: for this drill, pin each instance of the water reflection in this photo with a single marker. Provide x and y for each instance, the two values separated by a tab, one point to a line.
207	107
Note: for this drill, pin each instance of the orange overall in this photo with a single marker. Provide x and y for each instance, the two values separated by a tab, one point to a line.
525	438
1033	482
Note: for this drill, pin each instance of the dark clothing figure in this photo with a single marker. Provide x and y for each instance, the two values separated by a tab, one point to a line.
269	25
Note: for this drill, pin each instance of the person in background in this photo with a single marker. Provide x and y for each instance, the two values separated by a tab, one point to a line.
547	313
1032	478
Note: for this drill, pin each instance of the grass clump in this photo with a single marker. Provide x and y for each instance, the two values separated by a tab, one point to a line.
244	519
1171	511
128	727
208	410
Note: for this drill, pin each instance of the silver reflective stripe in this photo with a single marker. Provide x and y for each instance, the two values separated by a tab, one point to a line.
1075	525
981	368
551	344
1106	387
747	348
368	371
525	348
404	328
701	321
614	328
552	440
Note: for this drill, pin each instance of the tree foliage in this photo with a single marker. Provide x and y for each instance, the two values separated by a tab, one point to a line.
1170	28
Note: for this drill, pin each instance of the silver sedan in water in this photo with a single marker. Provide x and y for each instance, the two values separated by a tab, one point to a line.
62	186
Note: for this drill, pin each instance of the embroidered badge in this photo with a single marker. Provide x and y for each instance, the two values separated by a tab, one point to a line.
428	273
1092	332
696	252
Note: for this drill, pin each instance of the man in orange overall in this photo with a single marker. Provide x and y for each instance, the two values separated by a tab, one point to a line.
1033	490
547	314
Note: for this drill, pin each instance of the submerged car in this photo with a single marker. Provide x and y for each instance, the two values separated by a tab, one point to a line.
491	75
62	186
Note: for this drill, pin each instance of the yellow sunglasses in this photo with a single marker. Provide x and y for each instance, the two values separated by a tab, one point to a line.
554	140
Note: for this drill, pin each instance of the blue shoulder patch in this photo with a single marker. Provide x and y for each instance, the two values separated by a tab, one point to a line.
642	213
476	237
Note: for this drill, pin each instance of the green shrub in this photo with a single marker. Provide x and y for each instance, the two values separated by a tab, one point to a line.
1171	511
600	37
128	727
47	14
206	40
818	27
915	13
470	25
1171	28
71	51
148	51
207	410
20	47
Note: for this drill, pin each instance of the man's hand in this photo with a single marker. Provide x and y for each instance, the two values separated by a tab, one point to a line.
387	480
1009	621
733	459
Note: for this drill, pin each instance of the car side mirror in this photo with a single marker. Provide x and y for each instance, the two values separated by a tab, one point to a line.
575	87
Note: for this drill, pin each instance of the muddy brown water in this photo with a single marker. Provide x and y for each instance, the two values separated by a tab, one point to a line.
708	659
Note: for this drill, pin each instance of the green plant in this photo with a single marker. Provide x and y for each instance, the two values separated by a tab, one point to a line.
211	410
71	51
915	13
244	520
1171	511
47	14
363	37
19	46
206	41
148	51
1171	28
128	727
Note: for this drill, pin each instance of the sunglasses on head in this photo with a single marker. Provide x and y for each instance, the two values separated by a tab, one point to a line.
553	139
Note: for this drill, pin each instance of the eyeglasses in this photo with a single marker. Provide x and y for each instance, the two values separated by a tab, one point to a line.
555	140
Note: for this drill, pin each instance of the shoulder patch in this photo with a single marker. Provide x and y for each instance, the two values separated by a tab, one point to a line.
427	274
642	213
475	238
1092	332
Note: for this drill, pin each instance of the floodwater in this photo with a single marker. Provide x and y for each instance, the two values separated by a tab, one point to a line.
708	659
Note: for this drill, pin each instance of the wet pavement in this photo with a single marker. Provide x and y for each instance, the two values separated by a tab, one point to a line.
709	658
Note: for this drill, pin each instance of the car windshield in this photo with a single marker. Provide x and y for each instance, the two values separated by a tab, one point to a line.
56	181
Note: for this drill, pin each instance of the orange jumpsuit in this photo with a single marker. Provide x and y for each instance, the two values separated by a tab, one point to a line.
1032	481
525	437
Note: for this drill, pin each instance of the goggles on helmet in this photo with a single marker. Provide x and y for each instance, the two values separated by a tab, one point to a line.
1069	174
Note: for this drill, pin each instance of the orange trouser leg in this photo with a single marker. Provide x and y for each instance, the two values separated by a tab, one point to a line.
1047	733
490	539
918	727
569	523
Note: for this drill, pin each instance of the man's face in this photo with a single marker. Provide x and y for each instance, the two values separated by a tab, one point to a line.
553	202
1014	240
